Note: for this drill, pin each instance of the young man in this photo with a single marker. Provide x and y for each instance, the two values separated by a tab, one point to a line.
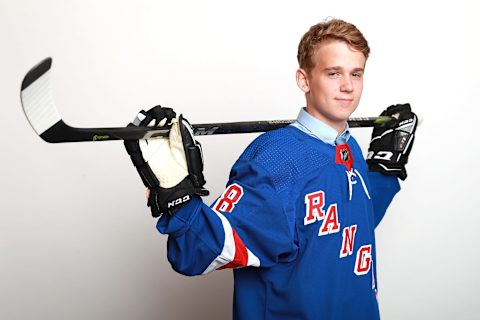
297	218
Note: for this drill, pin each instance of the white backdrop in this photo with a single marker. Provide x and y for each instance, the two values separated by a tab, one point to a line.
76	239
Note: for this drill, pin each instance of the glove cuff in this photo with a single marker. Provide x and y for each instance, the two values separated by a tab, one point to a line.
389	169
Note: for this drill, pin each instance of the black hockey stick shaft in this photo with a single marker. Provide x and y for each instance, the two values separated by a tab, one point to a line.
61	132
42	113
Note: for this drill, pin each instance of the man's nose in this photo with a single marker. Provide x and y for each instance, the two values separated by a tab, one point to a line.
347	84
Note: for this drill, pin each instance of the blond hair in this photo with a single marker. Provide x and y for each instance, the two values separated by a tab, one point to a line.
334	29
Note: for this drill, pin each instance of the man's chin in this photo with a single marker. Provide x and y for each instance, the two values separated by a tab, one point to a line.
342	117
344	114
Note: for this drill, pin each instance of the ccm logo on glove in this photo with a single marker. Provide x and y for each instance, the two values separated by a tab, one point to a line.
381	155
178	201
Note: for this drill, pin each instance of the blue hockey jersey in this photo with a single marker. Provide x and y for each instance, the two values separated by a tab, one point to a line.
296	222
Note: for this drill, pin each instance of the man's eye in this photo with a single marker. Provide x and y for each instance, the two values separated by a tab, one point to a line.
357	74
333	74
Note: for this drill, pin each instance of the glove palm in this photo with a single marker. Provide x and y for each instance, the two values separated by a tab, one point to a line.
166	157
170	167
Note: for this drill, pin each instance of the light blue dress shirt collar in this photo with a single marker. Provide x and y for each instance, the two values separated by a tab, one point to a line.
316	128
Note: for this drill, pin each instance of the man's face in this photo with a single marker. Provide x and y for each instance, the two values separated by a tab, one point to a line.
334	85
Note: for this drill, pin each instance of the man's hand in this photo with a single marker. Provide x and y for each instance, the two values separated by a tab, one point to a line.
170	167
392	142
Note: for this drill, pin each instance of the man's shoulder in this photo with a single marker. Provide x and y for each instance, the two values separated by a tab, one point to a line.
276	145
286	154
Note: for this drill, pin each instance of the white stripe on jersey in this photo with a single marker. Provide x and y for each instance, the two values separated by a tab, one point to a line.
228	252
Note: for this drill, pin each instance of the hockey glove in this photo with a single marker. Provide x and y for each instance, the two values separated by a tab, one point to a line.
170	167
392	141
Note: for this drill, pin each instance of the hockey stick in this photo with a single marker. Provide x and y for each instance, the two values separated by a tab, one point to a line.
40	110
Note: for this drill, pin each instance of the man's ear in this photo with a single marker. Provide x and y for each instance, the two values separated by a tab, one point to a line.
302	80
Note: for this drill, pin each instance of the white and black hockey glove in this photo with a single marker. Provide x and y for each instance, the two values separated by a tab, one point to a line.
392	141
170	167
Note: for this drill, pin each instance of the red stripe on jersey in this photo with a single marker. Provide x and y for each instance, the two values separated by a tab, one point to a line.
241	254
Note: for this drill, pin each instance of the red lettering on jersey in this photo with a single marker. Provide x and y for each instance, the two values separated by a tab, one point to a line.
230	197
364	260
315	202
348	240
330	223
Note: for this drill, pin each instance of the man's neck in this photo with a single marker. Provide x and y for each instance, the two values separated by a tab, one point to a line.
339	126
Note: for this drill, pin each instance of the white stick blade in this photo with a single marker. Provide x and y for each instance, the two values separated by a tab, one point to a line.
37	98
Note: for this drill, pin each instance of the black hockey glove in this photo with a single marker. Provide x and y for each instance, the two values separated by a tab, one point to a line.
392	141
170	167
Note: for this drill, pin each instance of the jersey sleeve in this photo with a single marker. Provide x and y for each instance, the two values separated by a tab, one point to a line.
383	188
246	226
